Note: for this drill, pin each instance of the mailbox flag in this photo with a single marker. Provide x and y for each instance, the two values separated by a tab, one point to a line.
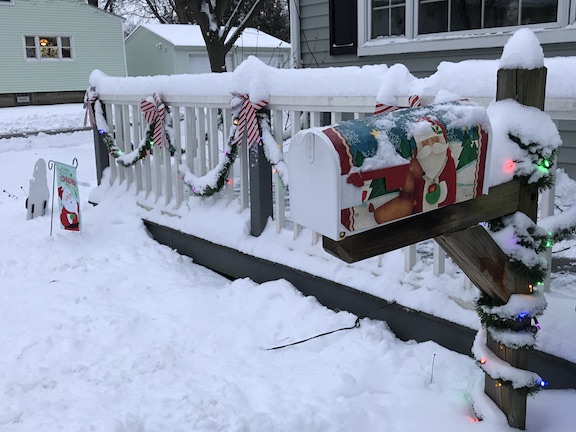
68	196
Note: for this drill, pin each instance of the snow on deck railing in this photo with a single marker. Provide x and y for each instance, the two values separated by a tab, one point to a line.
298	99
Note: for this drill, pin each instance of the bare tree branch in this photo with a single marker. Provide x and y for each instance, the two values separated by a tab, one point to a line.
242	25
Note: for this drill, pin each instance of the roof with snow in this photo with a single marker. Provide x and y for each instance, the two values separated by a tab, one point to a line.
190	35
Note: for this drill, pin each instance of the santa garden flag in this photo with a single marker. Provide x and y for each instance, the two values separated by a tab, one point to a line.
68	196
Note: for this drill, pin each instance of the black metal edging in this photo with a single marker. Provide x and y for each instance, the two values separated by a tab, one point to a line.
407	324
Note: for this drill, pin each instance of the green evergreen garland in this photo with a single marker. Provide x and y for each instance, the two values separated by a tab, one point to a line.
144	148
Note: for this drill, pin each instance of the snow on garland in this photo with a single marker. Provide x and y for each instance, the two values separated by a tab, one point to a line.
257	128
511	323
524	242
499	370
532	138
158	132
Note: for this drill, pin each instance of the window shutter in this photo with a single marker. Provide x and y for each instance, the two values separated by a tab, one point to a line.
343	26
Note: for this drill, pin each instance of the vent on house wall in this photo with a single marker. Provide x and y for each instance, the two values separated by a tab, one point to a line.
23	98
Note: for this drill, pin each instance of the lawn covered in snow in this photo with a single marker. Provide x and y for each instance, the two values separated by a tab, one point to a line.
110	331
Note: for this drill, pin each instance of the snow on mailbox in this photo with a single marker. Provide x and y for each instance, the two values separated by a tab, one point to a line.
360	174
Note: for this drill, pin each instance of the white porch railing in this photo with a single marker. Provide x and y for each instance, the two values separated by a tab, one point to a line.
201	127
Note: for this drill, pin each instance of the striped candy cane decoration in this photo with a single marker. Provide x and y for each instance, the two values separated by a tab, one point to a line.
89	98
153	109
247	120
413	101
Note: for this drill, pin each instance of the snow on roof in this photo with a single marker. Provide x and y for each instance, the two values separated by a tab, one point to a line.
191	35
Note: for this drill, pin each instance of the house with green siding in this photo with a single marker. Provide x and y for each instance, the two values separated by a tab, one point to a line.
50	47
168	49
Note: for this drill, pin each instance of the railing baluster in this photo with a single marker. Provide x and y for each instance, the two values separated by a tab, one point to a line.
213	137
119	129
409	257
113	165
147	163
190	116
127	142
135	128
315	119
179	184
168	181
157	170
244	166
279	192
295	127
201	134
227	118
439	264
335	117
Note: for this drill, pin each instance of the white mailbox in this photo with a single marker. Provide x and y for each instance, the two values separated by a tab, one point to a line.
360	174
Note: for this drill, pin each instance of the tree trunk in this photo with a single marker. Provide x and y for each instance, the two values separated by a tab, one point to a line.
216	55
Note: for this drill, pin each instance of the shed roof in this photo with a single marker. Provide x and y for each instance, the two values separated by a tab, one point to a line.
190	35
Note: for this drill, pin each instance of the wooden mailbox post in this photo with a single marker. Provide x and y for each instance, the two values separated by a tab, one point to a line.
471	247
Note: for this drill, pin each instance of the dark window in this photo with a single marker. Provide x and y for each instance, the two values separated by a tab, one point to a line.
343	26
388	18
438	16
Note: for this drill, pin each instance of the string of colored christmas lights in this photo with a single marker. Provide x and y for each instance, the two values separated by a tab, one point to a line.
213	181
503	374
144	148
519	329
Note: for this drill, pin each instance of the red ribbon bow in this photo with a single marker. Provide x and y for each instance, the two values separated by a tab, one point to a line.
381	108
247	120
153	110
89	98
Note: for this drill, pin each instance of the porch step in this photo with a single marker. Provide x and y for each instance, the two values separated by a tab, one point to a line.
407	324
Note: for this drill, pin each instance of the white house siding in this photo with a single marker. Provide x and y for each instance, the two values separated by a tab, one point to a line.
149	54
315	52
97	43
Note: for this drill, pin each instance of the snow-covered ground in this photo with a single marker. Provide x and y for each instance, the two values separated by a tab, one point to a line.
110	331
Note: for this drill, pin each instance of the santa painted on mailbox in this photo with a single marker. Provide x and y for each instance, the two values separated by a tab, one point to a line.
430	177
437	186
70	214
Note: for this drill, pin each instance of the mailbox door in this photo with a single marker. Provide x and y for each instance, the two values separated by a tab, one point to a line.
314	183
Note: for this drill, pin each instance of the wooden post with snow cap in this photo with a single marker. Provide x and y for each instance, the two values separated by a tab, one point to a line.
521	77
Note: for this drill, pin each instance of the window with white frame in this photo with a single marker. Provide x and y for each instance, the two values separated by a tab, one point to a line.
48	47
423	17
